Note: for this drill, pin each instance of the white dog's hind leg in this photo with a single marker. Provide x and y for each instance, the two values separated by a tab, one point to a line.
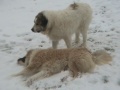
84	34
39	75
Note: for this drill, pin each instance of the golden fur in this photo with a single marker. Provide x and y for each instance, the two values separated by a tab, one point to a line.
44	63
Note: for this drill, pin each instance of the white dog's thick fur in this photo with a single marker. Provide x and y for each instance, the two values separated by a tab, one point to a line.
62	24
44	63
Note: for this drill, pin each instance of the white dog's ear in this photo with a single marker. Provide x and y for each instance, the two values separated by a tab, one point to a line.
41	18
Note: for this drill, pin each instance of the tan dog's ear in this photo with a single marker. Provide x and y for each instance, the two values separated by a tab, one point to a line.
29	52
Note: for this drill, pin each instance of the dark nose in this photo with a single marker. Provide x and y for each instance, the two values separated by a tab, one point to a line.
32	29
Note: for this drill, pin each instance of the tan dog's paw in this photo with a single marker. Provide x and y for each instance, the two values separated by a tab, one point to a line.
29	82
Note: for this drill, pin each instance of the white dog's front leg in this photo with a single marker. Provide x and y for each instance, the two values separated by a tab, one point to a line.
54	44
68	41
39	75
77	37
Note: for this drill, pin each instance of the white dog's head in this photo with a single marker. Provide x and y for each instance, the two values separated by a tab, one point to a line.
40	23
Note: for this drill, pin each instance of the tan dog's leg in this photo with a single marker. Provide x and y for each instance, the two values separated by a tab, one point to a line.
73	69
39	75
49	68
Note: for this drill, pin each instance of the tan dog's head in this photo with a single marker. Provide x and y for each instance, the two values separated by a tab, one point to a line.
40	23
25	60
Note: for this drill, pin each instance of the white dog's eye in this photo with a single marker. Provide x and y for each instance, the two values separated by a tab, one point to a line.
37	24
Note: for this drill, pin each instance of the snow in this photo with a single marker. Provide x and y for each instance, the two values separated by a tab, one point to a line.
16	21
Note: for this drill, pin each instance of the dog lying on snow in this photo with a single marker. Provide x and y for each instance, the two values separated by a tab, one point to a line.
62	24
44	63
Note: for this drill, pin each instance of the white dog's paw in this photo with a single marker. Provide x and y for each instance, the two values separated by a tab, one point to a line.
29	82
75	45
77	41
83	45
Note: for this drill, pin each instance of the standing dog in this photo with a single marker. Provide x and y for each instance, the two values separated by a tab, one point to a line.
44	63
62	24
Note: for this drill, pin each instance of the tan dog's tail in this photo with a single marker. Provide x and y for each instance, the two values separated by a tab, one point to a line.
101	57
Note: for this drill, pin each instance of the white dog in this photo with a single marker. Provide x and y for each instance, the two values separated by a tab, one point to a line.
62	24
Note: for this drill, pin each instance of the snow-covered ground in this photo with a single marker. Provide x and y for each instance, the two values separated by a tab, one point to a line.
16	20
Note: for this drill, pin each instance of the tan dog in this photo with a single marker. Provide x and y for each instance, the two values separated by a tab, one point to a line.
62	24
44	63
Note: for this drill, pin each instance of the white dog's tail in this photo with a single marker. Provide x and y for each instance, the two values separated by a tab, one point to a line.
101	57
